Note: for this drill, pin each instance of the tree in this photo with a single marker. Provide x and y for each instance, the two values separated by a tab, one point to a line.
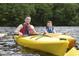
61	14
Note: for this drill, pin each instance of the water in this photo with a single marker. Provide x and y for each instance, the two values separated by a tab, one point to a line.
8	46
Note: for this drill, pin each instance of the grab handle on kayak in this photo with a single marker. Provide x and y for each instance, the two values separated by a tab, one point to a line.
62	39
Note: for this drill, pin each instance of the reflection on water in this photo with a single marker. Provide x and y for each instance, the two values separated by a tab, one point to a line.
8	46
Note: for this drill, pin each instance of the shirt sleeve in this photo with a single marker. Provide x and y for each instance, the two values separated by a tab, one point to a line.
54	30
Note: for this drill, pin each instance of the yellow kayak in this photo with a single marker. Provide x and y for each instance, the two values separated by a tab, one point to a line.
53	45
72	41
72	52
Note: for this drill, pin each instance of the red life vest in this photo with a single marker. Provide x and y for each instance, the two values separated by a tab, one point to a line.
23	30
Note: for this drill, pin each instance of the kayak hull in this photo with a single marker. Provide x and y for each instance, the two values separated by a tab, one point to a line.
46	44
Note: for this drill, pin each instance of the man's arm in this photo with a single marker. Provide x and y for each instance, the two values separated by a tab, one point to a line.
17	31
33	31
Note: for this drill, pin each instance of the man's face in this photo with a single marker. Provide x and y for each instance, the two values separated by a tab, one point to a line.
27	20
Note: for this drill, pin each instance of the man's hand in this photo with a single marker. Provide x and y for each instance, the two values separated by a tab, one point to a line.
20	34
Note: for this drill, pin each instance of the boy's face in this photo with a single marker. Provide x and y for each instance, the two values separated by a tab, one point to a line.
49	24
27	20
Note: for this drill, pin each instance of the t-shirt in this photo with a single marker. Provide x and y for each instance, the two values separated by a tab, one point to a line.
49	30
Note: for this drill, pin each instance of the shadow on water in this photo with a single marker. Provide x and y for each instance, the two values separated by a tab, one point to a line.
25	50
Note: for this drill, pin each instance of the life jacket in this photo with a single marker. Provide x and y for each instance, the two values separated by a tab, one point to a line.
50	30
25	30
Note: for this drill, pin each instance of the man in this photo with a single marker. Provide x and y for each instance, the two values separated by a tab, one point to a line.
26	28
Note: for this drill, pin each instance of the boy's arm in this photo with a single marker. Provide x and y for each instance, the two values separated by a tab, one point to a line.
54	31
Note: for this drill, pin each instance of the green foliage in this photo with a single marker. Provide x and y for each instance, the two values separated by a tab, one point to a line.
61	14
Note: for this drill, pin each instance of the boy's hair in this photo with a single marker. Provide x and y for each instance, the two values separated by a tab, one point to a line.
49	21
